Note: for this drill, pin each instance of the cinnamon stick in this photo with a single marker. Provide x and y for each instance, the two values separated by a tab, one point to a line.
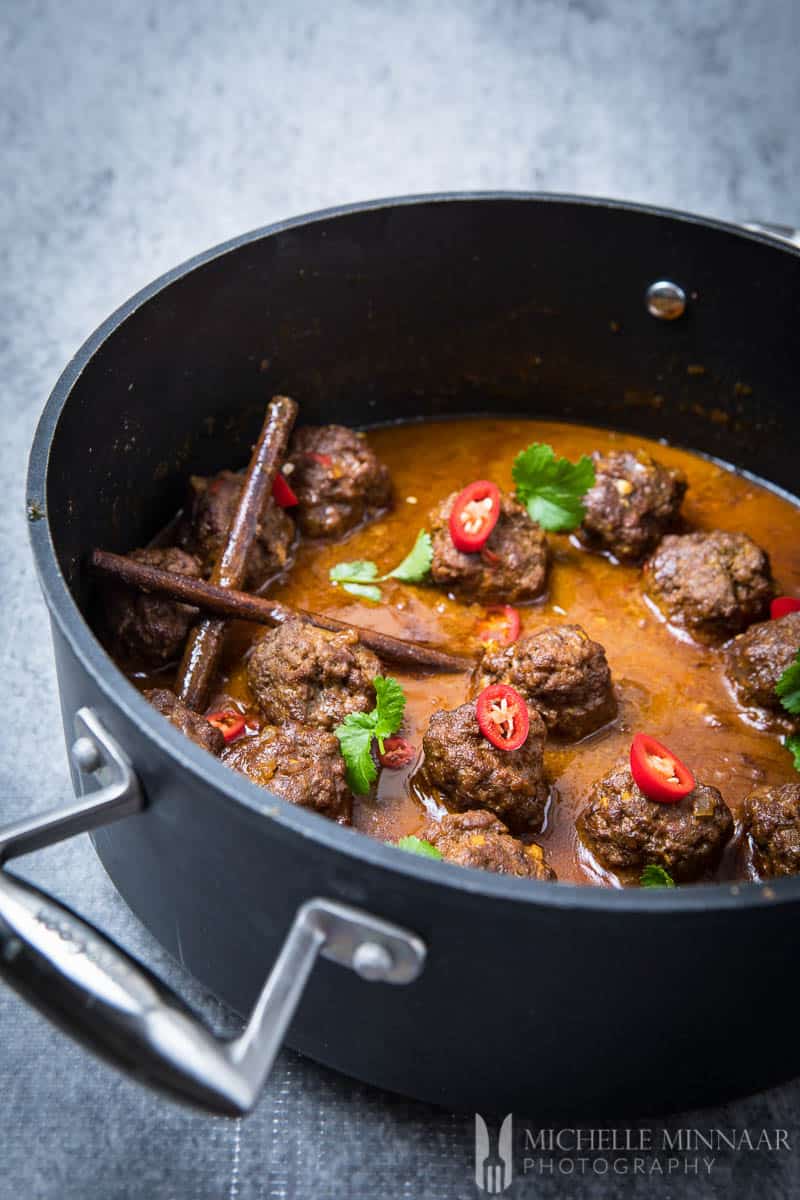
204	644
230	603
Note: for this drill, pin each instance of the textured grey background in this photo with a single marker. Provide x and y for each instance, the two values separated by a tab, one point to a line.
133	135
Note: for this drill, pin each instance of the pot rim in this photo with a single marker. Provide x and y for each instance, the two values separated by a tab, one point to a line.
236	789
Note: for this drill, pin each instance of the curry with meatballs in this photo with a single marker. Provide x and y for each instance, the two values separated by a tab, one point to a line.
549	651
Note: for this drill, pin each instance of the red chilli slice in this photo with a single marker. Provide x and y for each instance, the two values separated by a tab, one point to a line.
474	515
324	460
282	494
657	772
503	716
229	723
397	753
500	625
781	606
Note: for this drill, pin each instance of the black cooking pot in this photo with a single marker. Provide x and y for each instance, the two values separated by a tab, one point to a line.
542	998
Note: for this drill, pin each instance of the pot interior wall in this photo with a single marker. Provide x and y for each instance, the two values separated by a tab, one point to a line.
531	307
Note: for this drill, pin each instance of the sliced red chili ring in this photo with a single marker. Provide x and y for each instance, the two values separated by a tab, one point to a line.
657	771
229	723
397	753
500	625
783	605
324	460
503	716
474	515
283	495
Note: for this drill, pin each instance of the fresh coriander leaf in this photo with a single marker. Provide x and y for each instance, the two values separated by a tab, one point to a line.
415	845
355	742
656	877
361	577
552	489
788	686
357	730
357	578
792	744
388	713
353	572
365	590
417	563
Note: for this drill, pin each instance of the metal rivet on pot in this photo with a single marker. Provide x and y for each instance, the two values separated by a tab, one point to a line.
665	300
372	961
86	756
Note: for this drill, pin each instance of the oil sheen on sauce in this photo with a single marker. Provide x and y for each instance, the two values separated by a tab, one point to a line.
666	685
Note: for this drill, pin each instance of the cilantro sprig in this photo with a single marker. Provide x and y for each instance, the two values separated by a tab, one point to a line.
792	744
551	488
415	845
361	577
417	563
357	731
788	687
654	876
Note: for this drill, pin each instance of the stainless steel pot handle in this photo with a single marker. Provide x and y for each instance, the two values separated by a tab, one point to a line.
81	980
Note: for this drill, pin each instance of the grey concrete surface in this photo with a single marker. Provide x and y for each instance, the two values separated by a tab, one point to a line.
134	134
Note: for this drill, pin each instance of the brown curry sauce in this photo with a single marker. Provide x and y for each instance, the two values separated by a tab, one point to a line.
666	685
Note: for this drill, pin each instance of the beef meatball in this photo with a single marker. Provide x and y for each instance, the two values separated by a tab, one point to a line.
300	673
771	817
626	831
301	764
561	672
511	567
633	502
713	584
478	839
208	515
191	724
756	659
466	771
147	627
337	479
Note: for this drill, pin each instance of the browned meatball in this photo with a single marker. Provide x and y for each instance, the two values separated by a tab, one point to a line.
208	515
300	673
149	627
479	839
626	831
756	659
465	770
191	724
337	479
771	817
561	672
511	567
713	584
301	764
633	502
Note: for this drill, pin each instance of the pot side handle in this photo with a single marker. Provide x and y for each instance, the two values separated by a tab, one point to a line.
96	992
